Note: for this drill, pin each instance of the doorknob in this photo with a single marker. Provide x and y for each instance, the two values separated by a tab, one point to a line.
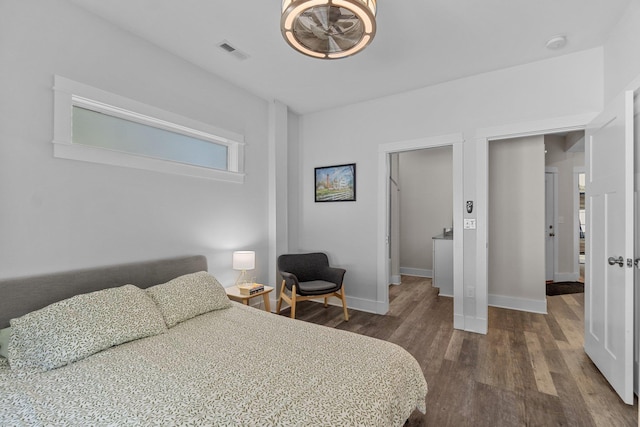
619	261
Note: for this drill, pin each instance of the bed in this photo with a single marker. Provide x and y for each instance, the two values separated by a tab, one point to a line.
228	366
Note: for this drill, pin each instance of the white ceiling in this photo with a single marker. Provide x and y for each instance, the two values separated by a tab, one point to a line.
418	43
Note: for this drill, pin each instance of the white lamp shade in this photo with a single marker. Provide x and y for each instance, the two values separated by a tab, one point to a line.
244	260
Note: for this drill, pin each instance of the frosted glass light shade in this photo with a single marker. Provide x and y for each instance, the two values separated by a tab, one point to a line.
244	260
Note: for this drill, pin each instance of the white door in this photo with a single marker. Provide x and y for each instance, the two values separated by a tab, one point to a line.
549	225
608	338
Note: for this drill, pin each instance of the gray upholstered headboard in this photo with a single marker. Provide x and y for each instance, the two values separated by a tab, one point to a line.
25	294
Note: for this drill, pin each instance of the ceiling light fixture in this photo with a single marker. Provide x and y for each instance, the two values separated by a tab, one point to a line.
328	29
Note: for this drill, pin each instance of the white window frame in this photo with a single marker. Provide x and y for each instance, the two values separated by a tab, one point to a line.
69	94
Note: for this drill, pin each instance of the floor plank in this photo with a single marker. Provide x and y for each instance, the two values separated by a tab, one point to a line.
529	370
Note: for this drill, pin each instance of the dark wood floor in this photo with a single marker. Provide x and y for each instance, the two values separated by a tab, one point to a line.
529	370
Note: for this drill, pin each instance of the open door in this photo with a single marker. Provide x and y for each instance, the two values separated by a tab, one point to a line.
608	338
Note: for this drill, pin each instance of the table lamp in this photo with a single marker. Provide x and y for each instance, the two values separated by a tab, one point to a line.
243	261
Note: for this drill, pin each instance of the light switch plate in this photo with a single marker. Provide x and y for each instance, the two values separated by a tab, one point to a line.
469	223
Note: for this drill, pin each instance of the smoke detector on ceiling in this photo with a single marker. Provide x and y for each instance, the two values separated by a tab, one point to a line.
557	42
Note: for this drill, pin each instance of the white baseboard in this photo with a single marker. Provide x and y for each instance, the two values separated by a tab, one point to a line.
273	300
359	304
636	386
395	279
475	324
370	306
418	272
458	322
566	277
445	295
522	304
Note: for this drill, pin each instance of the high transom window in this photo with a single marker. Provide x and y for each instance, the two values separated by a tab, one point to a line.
97	126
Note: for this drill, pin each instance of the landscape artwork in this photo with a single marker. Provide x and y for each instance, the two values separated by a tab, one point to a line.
336	183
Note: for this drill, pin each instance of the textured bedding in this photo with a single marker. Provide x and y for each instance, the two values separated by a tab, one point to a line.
232	367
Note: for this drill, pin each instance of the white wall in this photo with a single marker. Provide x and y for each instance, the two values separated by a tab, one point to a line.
562	86
565	162
293	187
426	204
59	214
621	59
516	254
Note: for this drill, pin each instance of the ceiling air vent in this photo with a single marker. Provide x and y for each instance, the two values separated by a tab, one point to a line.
227	47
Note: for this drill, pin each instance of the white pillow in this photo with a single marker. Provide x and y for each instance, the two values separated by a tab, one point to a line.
188	296
80	326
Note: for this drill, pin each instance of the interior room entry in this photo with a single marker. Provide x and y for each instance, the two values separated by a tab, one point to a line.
516	245
564	159
580	213
421	209
550	226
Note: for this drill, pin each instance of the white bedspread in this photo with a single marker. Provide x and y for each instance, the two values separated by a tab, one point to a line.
232	367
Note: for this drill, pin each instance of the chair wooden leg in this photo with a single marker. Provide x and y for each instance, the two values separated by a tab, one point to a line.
293	302
280	298
326	302
344	305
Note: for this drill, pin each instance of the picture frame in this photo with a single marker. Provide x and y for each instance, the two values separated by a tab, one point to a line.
335	183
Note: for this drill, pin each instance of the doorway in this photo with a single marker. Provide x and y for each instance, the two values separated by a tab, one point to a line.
516	256
550	203
580	213
532	223
384	210
421	216
565	157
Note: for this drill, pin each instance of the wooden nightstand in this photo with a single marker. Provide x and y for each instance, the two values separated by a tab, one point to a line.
234	293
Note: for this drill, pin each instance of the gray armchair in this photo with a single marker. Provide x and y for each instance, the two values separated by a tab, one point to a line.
309	276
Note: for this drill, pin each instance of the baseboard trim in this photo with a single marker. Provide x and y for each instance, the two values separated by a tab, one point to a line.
359	304
458	322
521	304
395	279
566	277
475	324
370	306
418	272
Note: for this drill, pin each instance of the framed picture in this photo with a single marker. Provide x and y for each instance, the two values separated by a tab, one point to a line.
336	183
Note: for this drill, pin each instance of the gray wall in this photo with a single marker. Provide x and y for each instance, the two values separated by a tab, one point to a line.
516	253
621	59
426	205
60	214
563	86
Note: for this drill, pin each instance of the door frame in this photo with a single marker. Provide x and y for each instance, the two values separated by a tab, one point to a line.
483	136
384	150
577	170
554	173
